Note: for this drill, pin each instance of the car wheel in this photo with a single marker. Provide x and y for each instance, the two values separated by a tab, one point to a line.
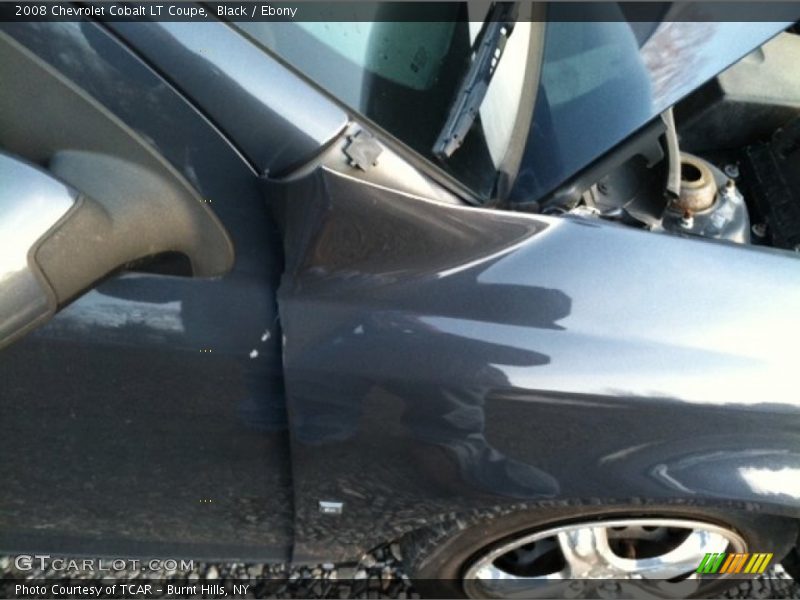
574	552
792	562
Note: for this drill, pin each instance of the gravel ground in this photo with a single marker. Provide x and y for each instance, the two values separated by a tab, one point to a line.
379	575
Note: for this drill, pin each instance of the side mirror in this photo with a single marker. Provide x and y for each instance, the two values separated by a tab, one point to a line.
59	237
31	204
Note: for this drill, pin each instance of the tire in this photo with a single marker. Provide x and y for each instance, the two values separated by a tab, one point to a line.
792	562
436	559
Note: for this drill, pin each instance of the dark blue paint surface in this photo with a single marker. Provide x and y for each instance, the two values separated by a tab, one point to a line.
152	393
275	118
437	359
441	359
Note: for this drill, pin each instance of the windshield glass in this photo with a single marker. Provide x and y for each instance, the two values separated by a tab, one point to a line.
403	76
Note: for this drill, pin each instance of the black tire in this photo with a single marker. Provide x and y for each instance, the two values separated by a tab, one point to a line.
435	559
792	562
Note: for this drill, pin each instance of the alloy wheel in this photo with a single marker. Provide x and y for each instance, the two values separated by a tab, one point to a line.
617	558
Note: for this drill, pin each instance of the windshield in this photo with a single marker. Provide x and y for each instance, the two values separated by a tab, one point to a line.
403	77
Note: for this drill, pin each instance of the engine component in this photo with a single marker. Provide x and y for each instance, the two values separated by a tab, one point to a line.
773	169
673	187
709	205
698	189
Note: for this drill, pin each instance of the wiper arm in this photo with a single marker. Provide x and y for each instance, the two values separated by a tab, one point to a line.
472	90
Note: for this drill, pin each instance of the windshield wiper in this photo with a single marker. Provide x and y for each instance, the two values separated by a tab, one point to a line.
488	50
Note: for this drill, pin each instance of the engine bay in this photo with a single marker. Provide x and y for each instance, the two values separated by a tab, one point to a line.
724	163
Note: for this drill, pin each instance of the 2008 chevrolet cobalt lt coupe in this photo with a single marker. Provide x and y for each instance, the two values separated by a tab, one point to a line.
517	290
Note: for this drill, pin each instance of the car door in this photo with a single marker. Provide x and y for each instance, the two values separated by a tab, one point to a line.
147	417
